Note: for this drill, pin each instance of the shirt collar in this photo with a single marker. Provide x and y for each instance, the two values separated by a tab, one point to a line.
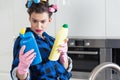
36	36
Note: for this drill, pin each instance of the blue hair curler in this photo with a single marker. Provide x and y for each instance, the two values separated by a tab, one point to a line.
36	1
29	3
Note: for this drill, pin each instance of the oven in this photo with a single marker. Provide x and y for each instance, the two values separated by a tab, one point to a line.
86	55
113	51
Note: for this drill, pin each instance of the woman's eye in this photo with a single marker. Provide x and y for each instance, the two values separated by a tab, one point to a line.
34	21
43	21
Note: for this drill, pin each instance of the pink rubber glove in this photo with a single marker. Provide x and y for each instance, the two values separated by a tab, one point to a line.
25	59
63	50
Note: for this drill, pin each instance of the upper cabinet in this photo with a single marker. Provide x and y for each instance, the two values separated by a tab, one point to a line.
20	16
113	19
51	28
86	18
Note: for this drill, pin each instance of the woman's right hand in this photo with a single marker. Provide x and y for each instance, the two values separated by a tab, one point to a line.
25	59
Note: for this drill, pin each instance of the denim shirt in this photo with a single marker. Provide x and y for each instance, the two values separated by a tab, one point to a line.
46	70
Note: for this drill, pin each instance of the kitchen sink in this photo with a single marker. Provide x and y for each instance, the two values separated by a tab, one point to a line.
102	66
99	68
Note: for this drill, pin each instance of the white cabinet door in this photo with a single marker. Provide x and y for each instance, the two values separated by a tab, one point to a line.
6	40
51	28
5	76
20	16
86	18
113	19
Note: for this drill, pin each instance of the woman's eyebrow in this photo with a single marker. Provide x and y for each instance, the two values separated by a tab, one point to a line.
34	19
38	20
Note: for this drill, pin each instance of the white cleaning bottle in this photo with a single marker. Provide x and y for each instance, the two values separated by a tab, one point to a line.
60	39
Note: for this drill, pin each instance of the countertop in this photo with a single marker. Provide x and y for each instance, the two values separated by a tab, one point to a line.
77	79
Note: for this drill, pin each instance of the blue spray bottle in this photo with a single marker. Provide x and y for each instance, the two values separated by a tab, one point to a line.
29	41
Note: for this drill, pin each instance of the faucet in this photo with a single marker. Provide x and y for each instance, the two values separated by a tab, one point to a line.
102	66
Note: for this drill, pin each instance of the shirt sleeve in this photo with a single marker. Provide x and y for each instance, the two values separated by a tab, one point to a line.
14	77
70	64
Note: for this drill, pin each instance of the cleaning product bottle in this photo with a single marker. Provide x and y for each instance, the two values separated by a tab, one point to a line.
29	41
60	39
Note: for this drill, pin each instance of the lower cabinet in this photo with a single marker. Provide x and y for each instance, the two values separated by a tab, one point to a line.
5	76
5	66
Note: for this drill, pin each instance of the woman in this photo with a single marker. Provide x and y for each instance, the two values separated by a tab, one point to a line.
40	13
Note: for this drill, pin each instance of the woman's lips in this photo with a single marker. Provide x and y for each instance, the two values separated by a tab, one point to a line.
38	30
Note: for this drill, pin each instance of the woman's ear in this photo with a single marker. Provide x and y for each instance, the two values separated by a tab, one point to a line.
29	18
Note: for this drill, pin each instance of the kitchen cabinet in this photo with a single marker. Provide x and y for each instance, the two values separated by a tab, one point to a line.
5	76
52	27
86	18
113	19
5	66
20	16
6	34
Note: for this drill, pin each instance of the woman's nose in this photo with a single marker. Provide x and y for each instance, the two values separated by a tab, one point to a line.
39	24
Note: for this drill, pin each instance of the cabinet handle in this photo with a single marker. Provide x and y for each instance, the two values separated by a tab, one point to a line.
83	52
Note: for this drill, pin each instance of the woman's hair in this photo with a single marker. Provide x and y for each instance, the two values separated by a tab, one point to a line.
41	7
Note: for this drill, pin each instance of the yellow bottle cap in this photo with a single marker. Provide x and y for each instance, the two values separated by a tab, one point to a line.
22	31
44	0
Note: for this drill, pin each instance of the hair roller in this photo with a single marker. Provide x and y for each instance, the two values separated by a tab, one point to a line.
52	8
36	1
55	6
29	3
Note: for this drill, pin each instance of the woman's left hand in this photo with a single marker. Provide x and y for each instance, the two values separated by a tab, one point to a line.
63	52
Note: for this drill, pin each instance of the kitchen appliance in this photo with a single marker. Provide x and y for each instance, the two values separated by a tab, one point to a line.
113	55
113	46
86	55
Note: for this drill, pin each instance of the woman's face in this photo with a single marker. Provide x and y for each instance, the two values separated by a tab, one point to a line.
39	22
